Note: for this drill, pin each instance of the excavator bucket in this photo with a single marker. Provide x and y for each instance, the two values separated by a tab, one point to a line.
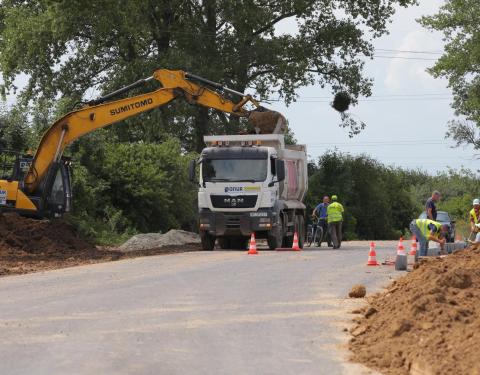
265	121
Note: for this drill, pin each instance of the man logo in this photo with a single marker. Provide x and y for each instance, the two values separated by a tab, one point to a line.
233	202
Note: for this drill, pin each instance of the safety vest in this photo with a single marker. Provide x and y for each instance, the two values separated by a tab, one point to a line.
473	215
423	224
334	212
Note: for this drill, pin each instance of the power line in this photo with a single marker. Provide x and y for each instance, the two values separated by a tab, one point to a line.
409	51
383	95
406	99
403	58
379	144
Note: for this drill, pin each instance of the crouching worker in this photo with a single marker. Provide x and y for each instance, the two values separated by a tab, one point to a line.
428	230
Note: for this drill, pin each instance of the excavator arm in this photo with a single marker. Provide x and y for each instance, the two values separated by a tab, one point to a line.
101	113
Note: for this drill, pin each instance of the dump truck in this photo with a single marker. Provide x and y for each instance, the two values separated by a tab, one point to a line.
250	183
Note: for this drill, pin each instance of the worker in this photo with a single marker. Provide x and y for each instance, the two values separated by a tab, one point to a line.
335	218
428	230
430	206
474	221
320	212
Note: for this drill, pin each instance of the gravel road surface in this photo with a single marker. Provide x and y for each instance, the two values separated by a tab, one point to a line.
219	312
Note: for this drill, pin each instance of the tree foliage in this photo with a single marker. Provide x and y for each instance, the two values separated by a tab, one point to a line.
132	187
377	204
15	131
459	20
69	47
381	201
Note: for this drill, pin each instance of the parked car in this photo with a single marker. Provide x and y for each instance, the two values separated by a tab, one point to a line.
443	217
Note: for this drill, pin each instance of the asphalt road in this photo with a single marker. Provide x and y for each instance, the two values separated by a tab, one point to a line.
220	312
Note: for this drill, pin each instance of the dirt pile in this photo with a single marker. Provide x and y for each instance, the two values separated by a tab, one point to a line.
28	245
36	237
149	241
427	322
357	291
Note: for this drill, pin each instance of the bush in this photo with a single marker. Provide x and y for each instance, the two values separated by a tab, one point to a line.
122	188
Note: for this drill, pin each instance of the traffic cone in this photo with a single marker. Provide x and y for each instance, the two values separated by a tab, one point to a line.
372	256
400	247
295	246
412	256
401	258
252	248
413	246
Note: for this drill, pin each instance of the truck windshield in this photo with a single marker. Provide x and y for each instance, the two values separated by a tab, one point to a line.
234	170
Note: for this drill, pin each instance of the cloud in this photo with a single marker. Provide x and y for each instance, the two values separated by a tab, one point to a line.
402	74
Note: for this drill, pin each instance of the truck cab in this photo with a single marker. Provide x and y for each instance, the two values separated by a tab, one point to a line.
250	183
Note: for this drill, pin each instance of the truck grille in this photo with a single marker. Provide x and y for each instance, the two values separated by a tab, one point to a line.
229	201
232	221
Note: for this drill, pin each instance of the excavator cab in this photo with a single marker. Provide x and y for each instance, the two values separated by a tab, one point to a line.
54	195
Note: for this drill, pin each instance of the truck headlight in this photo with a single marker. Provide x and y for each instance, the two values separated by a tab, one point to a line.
265	222
204	223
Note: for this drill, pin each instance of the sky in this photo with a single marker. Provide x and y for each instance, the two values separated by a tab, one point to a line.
408	112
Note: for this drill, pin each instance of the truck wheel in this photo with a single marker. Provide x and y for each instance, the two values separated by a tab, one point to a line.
224	243
275	236
208	241
288	240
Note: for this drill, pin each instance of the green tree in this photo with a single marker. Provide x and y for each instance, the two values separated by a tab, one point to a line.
377	203
459	20
132	187
15	132
68	48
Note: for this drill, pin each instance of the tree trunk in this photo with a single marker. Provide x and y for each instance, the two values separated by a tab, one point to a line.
200	127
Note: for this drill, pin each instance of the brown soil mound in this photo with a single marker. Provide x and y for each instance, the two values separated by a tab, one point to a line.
427	322
28	245
357	291
39	236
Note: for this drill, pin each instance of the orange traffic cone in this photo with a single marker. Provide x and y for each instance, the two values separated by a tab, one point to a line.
252	248
400	248
295	246
372	256
401	261
413	247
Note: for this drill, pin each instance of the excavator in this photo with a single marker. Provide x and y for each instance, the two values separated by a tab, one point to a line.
40	185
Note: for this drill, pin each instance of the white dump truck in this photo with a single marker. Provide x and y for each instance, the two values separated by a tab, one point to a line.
251	183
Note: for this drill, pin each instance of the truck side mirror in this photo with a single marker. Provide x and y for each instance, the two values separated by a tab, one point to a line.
280	170
191	170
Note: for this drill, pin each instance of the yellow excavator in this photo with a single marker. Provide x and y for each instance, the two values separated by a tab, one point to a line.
40	185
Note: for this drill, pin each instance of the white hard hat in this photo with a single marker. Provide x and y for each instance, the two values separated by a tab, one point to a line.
476	201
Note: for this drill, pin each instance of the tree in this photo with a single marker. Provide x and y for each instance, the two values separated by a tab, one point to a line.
69	47
459	20
132	187
15	132
377	203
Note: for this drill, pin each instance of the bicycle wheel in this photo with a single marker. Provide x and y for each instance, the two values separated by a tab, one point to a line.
319	236
309	238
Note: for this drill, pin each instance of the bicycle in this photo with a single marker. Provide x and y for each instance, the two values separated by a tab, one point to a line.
315	232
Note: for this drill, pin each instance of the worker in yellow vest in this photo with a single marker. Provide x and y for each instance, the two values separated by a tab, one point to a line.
474	223
335	218
428	230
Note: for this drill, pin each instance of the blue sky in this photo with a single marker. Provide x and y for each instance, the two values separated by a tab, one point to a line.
406	117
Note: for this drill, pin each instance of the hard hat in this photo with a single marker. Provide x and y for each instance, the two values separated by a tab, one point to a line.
334	197
476	201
